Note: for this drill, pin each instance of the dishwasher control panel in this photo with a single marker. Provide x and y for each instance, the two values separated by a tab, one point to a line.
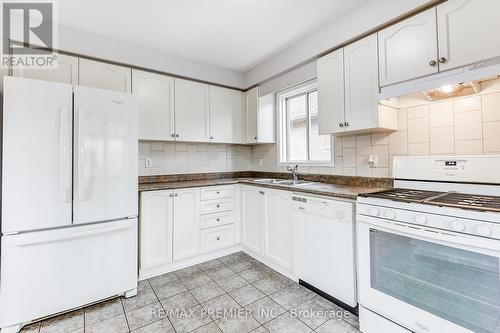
337	210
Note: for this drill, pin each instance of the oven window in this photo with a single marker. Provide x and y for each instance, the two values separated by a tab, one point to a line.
457	285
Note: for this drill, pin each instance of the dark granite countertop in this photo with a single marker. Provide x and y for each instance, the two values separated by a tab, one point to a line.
343	190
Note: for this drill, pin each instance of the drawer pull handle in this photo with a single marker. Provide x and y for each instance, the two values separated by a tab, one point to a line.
217	219
218	237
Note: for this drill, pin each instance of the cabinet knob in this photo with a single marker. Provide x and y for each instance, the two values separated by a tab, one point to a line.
211	138
217	219
261	192
177	135
218	237
176	194
442	60
341	125
433	63
217	192
218	206
346	124
170	195
255	138
172	135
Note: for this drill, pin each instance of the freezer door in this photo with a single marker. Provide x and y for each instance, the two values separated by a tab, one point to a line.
105	155
46	272
36	175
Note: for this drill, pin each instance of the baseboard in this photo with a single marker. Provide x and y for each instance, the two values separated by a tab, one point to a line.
163	269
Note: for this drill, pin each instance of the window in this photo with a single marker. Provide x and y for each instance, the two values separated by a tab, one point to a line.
299	140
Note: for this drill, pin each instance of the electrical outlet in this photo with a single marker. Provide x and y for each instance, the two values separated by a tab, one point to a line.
372	161
261	162
149	163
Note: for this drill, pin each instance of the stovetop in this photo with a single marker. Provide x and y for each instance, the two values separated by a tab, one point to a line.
442	199
404	195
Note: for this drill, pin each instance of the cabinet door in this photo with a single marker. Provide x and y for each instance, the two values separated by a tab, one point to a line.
278	226
330	71
252	218
186	223
467	32
252	107
266	119
226	116
104	76
66	71
361	84
191	111
155	94
408	50
155	225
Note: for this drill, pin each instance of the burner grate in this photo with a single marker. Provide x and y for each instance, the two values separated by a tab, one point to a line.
467	201
405	195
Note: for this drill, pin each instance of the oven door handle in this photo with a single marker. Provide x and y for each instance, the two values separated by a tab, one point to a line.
464	241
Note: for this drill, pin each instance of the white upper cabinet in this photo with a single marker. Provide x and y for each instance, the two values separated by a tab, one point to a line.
408	49
226	115
330	71
252	107
191	111
155	94
155	229
348	90
278	227
361	85
260	117
186	223
104	76
66	71
468	32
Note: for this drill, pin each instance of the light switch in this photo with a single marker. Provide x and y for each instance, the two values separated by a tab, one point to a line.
149	163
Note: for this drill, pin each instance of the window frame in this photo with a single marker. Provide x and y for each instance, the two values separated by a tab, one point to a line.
282	98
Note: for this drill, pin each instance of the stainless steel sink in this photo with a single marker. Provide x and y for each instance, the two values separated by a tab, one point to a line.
283	182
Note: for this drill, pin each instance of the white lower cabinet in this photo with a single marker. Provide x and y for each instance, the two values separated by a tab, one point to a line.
278	227
155	229
252	218
186	223
266	217
217	238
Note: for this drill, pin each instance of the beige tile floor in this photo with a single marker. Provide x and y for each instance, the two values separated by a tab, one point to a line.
235	293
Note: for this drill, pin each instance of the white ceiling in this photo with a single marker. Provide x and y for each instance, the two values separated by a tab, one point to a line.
234	34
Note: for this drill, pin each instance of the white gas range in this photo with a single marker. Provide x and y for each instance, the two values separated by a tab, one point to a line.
429	250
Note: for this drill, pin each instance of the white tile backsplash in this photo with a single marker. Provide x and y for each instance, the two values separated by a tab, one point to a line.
178	157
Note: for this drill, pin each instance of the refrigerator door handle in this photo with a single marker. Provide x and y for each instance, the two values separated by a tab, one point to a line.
81	152
65	176
71	234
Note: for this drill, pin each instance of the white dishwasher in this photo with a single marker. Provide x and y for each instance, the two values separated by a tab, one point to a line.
323	247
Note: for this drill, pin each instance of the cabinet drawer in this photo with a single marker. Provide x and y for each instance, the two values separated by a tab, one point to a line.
216	220
216	238
217	192
218	205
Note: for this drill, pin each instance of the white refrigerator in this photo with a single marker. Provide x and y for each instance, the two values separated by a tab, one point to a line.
69	198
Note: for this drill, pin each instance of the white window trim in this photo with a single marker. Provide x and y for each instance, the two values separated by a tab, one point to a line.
281	127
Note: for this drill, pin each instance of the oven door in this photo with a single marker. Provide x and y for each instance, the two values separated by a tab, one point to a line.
429	280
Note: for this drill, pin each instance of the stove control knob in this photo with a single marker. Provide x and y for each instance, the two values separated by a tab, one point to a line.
421	219
374	211
483	230
390	215
458	226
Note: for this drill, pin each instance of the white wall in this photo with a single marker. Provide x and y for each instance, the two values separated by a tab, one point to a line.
363	19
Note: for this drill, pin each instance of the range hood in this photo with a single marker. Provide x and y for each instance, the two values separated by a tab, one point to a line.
461	81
